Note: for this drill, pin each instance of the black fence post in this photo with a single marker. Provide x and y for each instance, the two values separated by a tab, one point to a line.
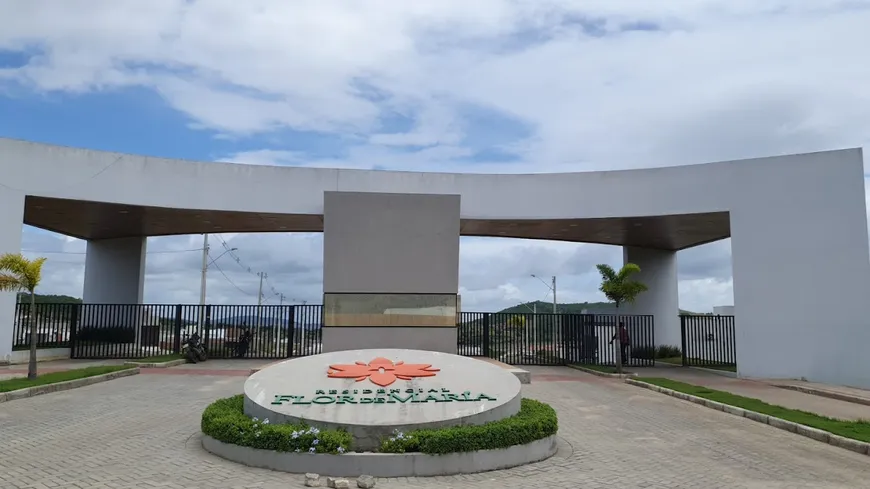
683	342
207	325
291	332
486	334
73	328
176	343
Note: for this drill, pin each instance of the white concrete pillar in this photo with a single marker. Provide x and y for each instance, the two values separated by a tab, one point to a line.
11	218
658	270
801	273
115	271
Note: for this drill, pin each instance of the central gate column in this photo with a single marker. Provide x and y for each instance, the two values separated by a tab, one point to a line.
390	271
113	291
658	271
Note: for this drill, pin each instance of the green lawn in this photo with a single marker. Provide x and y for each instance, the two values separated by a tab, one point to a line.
55	377
695	362
857	430
158	358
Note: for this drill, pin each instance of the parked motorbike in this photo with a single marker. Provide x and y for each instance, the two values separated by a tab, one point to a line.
194	349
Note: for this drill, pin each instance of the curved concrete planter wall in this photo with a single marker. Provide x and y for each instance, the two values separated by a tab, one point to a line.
385	464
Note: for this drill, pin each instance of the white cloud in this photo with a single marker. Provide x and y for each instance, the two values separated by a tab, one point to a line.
597	84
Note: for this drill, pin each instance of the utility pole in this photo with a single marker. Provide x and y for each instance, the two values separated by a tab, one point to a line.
262	276
202	283
281	297
554	294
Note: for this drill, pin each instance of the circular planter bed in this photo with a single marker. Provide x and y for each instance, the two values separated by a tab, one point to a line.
527	437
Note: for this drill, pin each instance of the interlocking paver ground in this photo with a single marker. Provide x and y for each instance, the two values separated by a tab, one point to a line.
143	432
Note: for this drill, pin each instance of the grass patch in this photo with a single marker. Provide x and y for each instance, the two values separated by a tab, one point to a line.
535	421
158	358
696	362
856	430
225	420
55	377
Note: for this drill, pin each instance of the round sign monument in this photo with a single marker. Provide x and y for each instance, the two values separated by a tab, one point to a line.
373	393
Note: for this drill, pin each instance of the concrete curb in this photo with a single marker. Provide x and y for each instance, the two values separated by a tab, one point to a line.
825	393
385	464
171	363
714	371
603	374
723	373
809	432
65	386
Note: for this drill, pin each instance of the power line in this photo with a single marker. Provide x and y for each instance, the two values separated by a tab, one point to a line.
219	269
275	293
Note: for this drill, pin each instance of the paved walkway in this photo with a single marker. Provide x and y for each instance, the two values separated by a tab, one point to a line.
860	396
143	432
764	390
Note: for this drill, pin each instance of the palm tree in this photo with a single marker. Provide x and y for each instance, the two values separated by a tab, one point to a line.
17	273
621	289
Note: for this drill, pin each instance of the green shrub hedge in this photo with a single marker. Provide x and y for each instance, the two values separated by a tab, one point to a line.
535	421
225	420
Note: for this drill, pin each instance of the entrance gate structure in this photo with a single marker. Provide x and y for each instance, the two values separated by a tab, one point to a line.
798	226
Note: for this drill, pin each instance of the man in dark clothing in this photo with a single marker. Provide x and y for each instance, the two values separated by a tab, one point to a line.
624	342
244	342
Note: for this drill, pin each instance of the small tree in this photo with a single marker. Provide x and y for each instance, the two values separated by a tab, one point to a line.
17	273
621	289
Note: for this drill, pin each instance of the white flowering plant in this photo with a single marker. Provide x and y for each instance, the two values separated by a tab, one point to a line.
225	420
399	442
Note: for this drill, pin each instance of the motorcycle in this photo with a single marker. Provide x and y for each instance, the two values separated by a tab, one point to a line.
193	349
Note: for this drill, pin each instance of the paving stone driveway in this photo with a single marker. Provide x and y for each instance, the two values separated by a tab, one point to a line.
143	432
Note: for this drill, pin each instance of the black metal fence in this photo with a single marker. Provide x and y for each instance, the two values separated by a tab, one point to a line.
555	339
133	331
708	341
52	325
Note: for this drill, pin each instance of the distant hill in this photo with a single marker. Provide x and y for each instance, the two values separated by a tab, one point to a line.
265	321
49	299
570	308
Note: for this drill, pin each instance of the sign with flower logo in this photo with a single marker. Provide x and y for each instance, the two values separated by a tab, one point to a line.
382	389
381	371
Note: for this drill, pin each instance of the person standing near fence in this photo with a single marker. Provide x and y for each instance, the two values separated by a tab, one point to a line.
624	342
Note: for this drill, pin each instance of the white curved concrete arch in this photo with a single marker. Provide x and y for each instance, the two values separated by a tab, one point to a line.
80	174
798	225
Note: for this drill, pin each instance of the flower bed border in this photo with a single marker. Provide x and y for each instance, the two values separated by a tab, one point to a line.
529	436
386	464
